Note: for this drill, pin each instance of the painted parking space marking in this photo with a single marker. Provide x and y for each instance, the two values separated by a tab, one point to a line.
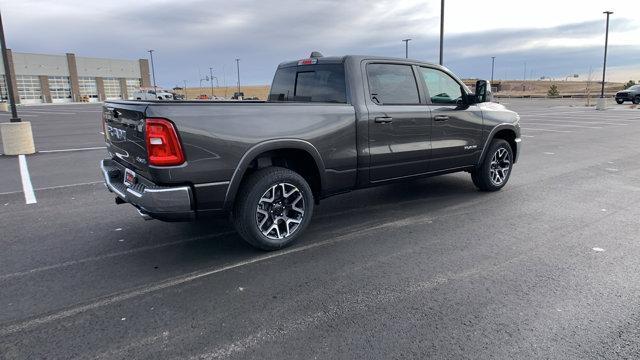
565	125
71	150
572	121
27	187
550	130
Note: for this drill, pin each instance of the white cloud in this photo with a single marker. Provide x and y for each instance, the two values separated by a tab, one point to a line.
192	34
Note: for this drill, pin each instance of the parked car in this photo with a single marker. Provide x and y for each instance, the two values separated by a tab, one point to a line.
152	94
631	94
330	125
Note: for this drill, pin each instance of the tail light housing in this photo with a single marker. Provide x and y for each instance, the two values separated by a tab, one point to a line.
163	145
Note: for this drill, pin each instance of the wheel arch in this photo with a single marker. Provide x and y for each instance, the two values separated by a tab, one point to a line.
294	154
507	132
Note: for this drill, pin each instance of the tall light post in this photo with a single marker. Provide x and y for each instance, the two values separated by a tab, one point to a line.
524	77
406	48
238	68
606	43
211	78
153	70
493	63
441	29
185	89
7	76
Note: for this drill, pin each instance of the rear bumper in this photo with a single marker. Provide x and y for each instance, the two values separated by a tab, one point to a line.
159	202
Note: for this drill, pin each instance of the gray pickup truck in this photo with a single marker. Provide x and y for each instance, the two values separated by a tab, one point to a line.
330	125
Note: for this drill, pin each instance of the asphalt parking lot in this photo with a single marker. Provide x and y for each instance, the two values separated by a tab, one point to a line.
546	268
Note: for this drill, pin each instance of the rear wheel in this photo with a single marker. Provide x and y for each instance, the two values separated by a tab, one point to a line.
495	170
273	208
636	100
619	101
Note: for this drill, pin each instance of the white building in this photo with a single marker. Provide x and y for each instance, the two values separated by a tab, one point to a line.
39	78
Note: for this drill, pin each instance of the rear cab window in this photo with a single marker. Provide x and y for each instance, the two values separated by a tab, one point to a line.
309	83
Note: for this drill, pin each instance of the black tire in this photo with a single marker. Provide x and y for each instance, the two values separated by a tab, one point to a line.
486	176
636	100
246	216
619	101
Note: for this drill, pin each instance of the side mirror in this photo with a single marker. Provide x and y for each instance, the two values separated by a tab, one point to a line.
483	91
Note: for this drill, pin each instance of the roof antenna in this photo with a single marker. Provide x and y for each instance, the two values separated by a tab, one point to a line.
316	54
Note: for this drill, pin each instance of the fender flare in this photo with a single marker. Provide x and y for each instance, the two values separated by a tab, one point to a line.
269	145
494	131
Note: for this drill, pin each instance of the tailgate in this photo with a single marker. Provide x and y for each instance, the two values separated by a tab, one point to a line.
124	128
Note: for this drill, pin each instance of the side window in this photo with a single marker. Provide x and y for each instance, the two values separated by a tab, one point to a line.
310	83
442	88
283	85
392	84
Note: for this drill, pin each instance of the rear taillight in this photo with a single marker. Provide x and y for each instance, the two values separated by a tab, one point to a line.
163	145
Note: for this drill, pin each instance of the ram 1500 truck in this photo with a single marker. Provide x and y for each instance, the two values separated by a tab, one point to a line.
330	125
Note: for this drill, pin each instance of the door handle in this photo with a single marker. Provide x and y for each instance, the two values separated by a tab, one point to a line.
441	118
383	120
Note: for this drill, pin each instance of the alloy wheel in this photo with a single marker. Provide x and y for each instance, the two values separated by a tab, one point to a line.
280	211
500	166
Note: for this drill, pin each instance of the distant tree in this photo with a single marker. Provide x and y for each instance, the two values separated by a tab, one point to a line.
629	84
553	90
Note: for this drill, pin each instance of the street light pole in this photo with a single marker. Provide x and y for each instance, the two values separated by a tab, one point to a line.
238	68
524	77
185	89
153	70
606	43
493	62
406	48
211	78
7	75
441	28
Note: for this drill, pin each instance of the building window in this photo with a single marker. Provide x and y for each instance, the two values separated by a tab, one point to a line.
88	88
29	88
112	88
133	85
60	88
4	95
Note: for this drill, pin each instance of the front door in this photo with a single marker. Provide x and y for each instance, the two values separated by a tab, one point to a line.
456	135
399	122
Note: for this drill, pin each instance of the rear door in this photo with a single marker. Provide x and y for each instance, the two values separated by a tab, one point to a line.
399	122
456	135
124	133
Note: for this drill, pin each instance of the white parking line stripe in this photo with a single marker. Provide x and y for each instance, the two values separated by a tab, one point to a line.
48	112
69	150
114	254
574	121
560	131
27	188
178	280
55	187
563	125
20	115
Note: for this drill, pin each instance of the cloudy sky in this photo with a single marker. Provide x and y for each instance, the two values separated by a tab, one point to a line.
554	37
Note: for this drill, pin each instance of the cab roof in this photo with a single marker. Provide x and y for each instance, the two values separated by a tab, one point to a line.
357	59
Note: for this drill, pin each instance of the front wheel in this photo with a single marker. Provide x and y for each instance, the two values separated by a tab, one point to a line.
273	208
619	101
494	172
